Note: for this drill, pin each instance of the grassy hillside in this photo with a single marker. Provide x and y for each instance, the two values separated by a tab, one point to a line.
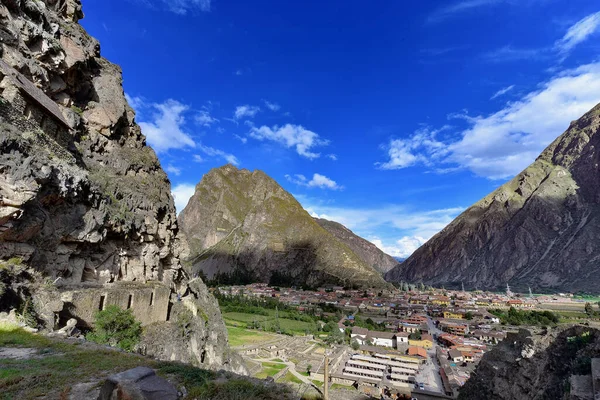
32	366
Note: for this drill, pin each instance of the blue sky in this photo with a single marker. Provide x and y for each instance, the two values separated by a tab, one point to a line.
388	116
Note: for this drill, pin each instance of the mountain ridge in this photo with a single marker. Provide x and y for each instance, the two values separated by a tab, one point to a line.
537	230
244	222
366	250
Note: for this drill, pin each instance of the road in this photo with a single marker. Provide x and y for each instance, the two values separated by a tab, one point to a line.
429	375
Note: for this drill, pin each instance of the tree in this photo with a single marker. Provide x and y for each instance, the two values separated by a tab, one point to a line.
335	337
308	369
117	328
355	345
469	315
589	310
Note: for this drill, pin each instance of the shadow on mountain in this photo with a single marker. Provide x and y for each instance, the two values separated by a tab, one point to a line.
297	263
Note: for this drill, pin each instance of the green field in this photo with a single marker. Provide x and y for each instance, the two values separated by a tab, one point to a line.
242	336
289	377
269	369
269	322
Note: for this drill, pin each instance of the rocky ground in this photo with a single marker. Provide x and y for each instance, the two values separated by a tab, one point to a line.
534	365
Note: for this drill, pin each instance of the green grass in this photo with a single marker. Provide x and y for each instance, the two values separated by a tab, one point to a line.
58	365
340	386
269	369
290	325
290	378
240	336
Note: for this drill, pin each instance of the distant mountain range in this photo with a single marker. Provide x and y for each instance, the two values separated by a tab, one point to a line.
539	230
243	227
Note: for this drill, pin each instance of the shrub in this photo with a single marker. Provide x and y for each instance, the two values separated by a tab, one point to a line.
117	328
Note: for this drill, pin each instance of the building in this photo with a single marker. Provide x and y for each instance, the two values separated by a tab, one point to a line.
456	356
402	338
453	315
32	104
489	336
425	342
454	328
416	351
385	339
359	334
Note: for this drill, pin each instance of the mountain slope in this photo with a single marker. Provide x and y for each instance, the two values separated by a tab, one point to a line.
540	229
243	222
86	212
366	250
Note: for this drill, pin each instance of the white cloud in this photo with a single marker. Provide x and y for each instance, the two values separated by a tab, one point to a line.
165	129
198	158
502	144
510	53
239	72
463	6
181	7
290	136
578	33
182	194
173	170
317	181
403	247
241	139
386	223
419	148
246	111
212	152
204	118
502	91
136	102
332	157
272	106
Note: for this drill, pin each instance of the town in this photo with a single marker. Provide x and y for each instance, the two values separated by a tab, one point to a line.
404	343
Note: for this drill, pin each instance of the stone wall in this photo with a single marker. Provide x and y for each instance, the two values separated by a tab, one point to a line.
28	117
148	301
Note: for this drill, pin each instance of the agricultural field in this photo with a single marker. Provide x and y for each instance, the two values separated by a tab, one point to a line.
269	369
241	336
268	323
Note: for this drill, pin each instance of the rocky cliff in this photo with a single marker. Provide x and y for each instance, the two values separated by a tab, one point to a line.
85	206
540	229
551	364
243	224
366	250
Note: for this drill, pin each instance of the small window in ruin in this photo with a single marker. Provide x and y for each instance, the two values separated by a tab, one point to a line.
102	299
152	299
129	301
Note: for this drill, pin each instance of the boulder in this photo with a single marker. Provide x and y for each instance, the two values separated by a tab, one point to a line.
139	383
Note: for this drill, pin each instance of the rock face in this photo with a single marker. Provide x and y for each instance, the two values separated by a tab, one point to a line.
541	229
553	364
366	250
84	203
243	224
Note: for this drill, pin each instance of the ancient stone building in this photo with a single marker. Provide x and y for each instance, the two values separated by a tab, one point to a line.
32	103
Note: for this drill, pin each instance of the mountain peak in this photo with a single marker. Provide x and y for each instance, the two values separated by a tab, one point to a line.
243	223
538	230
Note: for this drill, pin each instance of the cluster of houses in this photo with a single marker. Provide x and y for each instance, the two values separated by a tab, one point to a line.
454	327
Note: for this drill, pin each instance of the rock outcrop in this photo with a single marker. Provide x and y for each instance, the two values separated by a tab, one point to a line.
540	229
551	364
366	250
84	202
243	225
